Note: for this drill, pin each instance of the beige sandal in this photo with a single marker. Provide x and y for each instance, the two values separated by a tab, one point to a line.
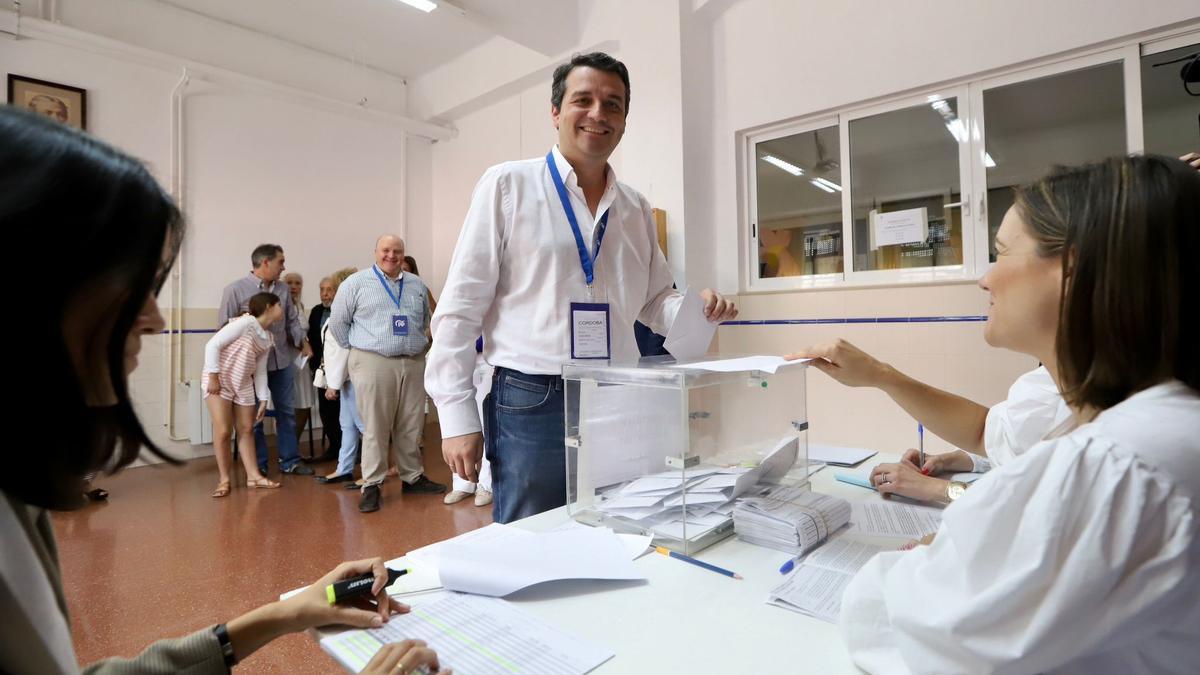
262	484
222	489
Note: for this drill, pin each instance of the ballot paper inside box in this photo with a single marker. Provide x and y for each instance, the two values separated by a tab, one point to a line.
656	448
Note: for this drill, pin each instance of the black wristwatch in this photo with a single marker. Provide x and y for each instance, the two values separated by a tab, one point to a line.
222	634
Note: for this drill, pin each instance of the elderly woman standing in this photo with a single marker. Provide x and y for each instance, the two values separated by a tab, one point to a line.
302	394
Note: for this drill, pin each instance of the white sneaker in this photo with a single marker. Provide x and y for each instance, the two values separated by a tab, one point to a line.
483	497
456	496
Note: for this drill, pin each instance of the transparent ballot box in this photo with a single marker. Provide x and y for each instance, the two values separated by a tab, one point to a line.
657	447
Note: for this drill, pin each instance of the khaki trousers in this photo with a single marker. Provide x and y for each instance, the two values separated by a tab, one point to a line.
390	395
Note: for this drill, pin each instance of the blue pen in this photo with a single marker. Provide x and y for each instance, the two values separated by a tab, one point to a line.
788	566
854	480
921	447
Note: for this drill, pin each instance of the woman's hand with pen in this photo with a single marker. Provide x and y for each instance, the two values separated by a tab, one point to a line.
905	479
312	606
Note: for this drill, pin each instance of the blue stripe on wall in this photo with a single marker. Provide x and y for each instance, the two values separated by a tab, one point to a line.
777	322
879	319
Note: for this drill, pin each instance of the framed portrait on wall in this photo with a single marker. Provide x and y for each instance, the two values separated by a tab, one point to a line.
57	101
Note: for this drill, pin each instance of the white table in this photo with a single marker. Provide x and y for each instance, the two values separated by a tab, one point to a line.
687	619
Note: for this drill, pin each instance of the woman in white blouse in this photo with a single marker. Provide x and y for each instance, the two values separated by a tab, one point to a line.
1082	554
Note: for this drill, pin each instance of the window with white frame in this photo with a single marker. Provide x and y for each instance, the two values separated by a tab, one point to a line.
1035	123
799	208
912	190
1170	103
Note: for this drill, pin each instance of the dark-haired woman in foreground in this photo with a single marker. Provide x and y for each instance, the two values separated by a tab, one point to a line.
70	198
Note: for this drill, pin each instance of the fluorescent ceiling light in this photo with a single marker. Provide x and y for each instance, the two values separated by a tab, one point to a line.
786	166
822	187
988	161
827	185
423	5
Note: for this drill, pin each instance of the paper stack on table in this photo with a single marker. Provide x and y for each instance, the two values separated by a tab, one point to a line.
500	559
502	566
657	501
791	519
815	587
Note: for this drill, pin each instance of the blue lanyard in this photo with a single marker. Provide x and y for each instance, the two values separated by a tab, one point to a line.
585	259
387	287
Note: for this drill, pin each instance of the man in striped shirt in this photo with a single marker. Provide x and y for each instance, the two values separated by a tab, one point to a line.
381	315
266	264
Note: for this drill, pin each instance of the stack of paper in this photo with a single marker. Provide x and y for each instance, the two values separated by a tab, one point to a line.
501	566
503	545
474	635
815	587
789	519
698	500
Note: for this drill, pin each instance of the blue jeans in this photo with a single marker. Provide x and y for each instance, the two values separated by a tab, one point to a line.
280	382
352	428
523	439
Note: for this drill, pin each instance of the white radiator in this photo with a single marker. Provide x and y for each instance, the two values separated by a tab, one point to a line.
199	421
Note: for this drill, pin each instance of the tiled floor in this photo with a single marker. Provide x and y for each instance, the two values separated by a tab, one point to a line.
161	558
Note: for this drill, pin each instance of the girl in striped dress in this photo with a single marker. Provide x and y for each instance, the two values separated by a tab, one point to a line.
235	368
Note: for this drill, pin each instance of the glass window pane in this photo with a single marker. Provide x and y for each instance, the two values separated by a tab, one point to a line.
1170	115
907	160
799	202
1064	119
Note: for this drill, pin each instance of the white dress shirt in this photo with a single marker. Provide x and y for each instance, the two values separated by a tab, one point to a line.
1081	555
516	269
1033	409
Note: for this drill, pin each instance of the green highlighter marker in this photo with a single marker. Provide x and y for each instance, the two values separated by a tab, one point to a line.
358	586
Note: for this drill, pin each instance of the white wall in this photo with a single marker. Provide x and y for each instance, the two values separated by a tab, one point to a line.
263	164
703	71
321	185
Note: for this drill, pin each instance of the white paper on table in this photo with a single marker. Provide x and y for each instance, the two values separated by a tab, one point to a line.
420	578
635	544
812	590
843	555
768	364
475	635
430	556
692	333
504	565
838	456
888	519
